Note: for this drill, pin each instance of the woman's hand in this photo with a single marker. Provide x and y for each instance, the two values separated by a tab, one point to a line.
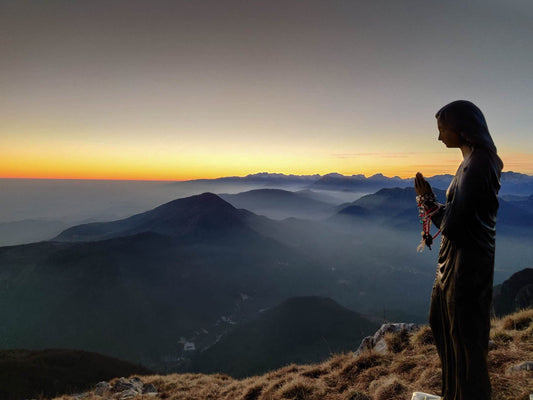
422	186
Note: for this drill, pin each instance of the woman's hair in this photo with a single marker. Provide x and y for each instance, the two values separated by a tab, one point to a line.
467	120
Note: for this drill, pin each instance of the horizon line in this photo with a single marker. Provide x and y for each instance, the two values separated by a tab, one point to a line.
219	177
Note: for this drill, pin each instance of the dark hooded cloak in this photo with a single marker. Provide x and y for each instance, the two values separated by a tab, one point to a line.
462	293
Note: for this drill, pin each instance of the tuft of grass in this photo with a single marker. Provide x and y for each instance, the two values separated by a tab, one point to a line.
501	337
316	372
423	337
519	321
253	392
390	388
356	395
297	390
397	342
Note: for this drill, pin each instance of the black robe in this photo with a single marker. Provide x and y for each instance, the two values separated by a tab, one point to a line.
462	293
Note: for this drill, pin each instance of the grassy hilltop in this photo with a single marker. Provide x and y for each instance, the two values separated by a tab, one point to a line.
412	365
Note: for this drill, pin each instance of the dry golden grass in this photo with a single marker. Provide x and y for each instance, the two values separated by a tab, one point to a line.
412	366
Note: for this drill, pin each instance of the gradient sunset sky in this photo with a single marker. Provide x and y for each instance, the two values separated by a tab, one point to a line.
187	89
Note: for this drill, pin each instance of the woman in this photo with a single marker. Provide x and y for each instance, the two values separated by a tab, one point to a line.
462	294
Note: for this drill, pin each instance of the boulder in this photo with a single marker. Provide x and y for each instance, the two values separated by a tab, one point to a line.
524	366
126	388
102	388
121	385
149	389
137	383
378	343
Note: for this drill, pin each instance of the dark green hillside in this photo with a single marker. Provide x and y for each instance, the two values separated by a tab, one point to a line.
30	374
300	330
135	296
514	294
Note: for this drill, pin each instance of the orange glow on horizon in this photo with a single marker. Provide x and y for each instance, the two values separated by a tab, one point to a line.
138	164
404	173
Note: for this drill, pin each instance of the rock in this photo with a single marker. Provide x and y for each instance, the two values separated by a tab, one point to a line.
524	366
378	343
102	388
149	389
366	344
128	388
121	385
128	394
137	383
424	396
381	346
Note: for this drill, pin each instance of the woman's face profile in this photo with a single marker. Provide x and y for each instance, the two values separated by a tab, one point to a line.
449	137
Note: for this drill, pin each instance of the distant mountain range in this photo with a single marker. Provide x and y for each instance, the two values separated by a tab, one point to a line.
512	182
394	207
34	210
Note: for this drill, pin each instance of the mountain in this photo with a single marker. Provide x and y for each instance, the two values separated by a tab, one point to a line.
516	183
299	330
524	202
236	184
187	269
151	287
320	196
48	373
397	207
357	183
279	204
394	207
515	293
200	215
512	182
513	219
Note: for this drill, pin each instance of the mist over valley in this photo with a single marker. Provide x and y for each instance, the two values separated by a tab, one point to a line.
168	287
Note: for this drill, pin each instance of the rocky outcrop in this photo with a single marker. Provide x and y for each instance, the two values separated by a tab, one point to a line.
124	388
378	342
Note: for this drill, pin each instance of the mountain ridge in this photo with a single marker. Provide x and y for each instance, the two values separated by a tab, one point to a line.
205	212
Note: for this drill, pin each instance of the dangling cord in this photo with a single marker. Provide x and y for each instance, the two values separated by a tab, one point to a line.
425	219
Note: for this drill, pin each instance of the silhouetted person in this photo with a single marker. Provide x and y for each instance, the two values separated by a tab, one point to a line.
461	298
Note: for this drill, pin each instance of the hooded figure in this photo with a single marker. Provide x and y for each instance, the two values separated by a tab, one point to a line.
462	294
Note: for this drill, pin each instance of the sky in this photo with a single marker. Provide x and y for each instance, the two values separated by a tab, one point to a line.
186	89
